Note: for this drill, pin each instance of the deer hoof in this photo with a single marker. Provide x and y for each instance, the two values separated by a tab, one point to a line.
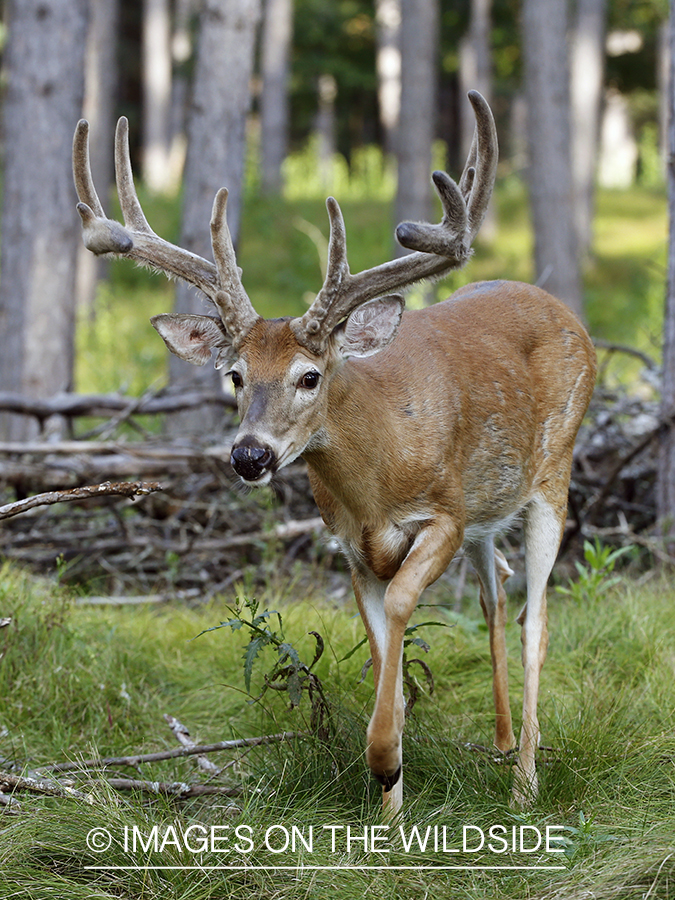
388	781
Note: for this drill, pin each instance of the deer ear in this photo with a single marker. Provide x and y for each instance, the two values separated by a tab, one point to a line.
371	327
192	338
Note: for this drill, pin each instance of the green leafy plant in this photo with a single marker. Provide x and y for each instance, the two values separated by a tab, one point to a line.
289	673
409	681
583	839
595	578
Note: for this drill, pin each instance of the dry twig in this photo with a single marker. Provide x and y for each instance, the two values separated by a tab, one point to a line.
47	786
182	735
137	759
179	789
75	405
120	488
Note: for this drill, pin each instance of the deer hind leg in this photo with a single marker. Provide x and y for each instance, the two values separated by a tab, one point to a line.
544	521
429	556
493	570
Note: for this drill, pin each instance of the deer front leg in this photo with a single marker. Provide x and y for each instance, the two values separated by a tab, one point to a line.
429	556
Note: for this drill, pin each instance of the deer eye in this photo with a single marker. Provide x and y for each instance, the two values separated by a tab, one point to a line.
236	379
309	380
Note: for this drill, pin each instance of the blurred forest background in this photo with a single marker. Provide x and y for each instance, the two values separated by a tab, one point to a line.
288	101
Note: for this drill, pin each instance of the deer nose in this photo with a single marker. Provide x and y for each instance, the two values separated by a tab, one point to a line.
251	462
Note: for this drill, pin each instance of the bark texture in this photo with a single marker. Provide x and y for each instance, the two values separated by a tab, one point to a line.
44	61
215	158
586	86
546	75
419	40
156	94
275	52
666	465
388	65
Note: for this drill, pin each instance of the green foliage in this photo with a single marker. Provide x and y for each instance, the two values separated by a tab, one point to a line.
595	578
288	672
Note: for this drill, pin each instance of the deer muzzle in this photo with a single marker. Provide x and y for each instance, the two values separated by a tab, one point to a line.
252	462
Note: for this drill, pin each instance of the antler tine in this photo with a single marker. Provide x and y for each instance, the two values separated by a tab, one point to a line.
332	303
485	163
438	248
137	240
236	310
100	235
133	214
84	183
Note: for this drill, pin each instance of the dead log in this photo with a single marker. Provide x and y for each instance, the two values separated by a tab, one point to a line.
104	405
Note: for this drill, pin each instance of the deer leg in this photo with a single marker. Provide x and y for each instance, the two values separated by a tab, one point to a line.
370	592
493	570
543	531
429	556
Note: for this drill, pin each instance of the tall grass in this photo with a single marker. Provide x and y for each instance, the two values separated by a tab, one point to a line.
76	681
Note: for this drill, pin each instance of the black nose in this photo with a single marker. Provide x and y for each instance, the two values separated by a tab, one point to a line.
250	462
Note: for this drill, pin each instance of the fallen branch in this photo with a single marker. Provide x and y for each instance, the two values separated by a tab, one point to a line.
663	425
182	735
178	789
10	802
137	759
72	405
136	600
629	536
119	488
47	786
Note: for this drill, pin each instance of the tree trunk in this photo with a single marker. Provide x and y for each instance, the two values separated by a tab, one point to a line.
215	158
181	55
550	172
324	125
156	94
665	492
475	73
275	51
663	56
388	65
44	61
100	81
586	90
419	38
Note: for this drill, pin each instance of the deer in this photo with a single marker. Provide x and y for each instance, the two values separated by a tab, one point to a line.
424	431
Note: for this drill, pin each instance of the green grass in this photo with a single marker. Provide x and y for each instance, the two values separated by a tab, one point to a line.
75	681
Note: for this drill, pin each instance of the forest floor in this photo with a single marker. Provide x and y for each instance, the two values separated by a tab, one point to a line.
300	817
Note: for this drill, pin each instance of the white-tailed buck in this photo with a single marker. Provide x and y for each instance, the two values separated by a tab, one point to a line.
422	430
